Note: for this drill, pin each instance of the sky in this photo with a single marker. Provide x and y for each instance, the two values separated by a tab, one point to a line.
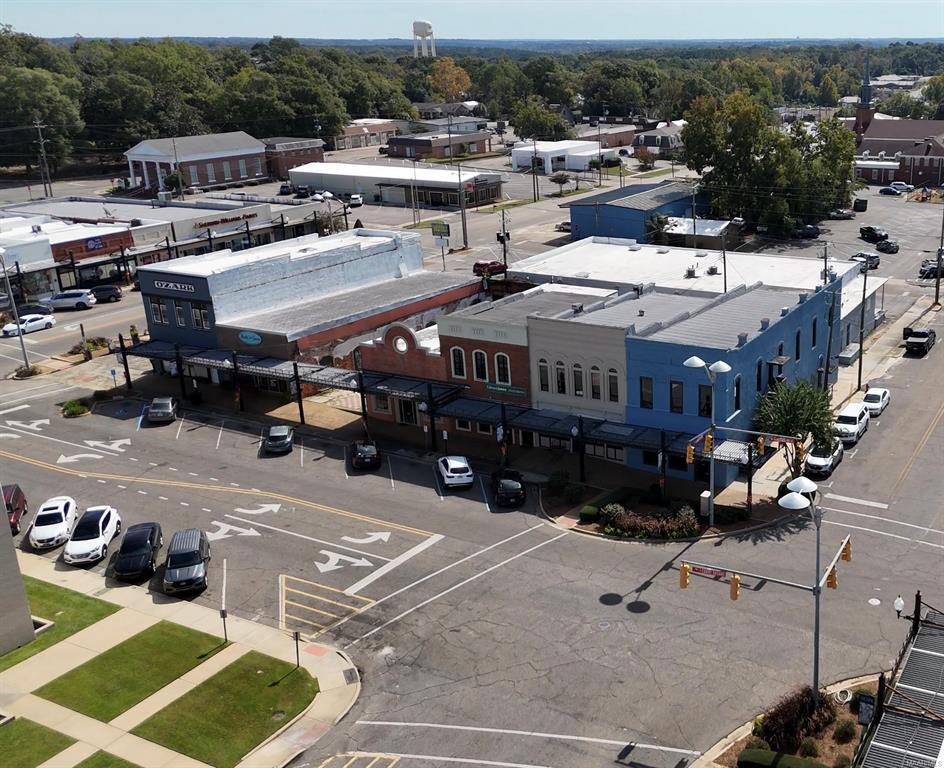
484	19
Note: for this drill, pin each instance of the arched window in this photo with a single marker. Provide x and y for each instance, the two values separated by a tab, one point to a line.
502	368
479	365
457	355
737	393
544	375
796	345
561	375
577	375
813	334
595	384
759	383
612	385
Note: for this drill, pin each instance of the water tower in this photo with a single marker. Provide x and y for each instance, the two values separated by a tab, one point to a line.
421	31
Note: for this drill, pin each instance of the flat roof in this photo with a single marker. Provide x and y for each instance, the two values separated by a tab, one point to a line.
603	262
680	225
391	172
718	324
647	198
122	210
515	309
206	264
643	312
334	310
58	231
554	146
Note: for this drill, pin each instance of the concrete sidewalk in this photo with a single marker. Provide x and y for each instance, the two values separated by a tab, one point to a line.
338	681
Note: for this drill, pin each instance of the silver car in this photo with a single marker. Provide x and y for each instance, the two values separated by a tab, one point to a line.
77	298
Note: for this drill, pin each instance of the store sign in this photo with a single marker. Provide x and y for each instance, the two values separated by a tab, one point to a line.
224	220
439	228
506	390
251	338
166	285
94	244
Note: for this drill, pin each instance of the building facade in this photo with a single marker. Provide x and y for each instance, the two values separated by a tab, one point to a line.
366	132
625	213
439	145
284	153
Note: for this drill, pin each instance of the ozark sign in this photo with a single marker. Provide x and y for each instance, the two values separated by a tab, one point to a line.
167	285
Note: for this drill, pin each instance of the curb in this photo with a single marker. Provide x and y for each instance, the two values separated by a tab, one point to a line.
720	747
693	539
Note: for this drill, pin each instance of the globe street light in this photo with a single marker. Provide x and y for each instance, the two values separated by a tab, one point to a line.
16	315
802	496
712	371
899	605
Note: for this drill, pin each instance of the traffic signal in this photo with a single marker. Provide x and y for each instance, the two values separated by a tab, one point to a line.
832	580
685	575
846	551
690	454
801	452
760	446
709	442
735	587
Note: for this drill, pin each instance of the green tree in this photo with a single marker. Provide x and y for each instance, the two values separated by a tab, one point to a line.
534	121
799	410
901	104
560	179
252	98
934	96
655	227
703	136
828	92
645	158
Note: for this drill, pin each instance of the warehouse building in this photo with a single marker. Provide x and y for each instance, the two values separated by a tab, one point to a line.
552	156
401	184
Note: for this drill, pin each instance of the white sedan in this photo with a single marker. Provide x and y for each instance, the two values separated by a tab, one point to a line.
455	471
877	400
53	523
92	535
28	324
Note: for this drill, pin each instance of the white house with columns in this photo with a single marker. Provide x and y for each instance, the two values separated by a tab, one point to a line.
209	160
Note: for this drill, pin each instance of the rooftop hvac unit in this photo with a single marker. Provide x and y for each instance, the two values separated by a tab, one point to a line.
165	197
663	249
712	270
37	229
701	254
690	272
635	247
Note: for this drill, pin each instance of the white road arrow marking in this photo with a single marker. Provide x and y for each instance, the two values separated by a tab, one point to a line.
260	510
32	426
225	530
370	538
63	459
9	434
109	445
334	561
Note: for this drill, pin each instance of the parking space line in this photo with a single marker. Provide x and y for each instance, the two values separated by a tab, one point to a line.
15	407
397	561
173	469
180	426
257	524
325	586
30	433
884	533
346	475
304	621
220	435
484	494
140	418
861	502
131	458
886	520
390	472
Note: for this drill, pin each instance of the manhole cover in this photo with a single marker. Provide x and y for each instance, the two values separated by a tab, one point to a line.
874	601
350	676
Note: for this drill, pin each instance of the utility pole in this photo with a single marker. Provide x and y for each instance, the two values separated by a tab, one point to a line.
937	273
16	315
43	161
694	226
180	178
534	169
600	140
724	258
825	264
465	228
865	280
503	238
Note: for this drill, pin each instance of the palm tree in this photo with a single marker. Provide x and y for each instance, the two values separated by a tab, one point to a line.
560	179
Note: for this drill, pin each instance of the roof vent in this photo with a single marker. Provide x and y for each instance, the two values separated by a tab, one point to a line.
784	311
802	298
577	308
37	228
713	270
662	249
742	339
764	323
635	247
642	313
582	274
701	254
690	271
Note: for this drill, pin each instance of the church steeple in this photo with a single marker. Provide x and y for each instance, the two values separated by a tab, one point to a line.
865	109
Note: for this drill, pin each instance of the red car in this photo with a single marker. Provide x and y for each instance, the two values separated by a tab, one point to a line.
488	268
15	502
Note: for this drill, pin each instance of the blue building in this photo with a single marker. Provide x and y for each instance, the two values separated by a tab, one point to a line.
764	334
624	212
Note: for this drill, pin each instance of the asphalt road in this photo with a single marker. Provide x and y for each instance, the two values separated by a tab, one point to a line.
489	636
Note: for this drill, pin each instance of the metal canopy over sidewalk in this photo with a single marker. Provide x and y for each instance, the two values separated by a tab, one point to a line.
449	401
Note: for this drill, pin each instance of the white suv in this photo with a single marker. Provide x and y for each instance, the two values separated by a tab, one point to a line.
901	186
852	422
77	298
455	471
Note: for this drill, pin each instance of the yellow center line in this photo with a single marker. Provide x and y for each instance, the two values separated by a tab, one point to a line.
216	489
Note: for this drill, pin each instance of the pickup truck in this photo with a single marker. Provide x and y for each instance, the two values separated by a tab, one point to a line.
919	340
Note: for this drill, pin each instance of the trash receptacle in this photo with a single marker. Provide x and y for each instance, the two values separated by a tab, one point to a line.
705	499
860	204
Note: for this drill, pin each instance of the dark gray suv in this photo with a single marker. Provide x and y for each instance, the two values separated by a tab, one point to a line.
188	558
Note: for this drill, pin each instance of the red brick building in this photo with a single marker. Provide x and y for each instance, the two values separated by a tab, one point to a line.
284	153
422	145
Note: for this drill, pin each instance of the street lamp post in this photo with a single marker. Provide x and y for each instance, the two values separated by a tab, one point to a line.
577	433
16	315
802	496
712	371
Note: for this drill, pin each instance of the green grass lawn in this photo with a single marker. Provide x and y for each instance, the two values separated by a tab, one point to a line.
221	720
501	206
70	610
116	680
105	760
25	744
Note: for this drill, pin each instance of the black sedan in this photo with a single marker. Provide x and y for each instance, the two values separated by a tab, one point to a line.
364	454
33	309
137	556
278	439
809	230
872	234
887	246
508	487
889	191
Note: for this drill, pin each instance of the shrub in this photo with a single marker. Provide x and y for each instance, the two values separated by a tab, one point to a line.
762	758
808	747
756	742
725	515
756	725
24	372
557	482
610	513
573	492
797	715
842	761
589	514
74	408
845	730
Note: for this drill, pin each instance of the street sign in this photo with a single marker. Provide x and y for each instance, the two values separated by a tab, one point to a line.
714	573
442	242
439	228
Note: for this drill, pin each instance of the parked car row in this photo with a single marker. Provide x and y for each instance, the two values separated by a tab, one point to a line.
508	487
851	424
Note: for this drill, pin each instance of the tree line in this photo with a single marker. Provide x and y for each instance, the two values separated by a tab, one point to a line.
106	95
